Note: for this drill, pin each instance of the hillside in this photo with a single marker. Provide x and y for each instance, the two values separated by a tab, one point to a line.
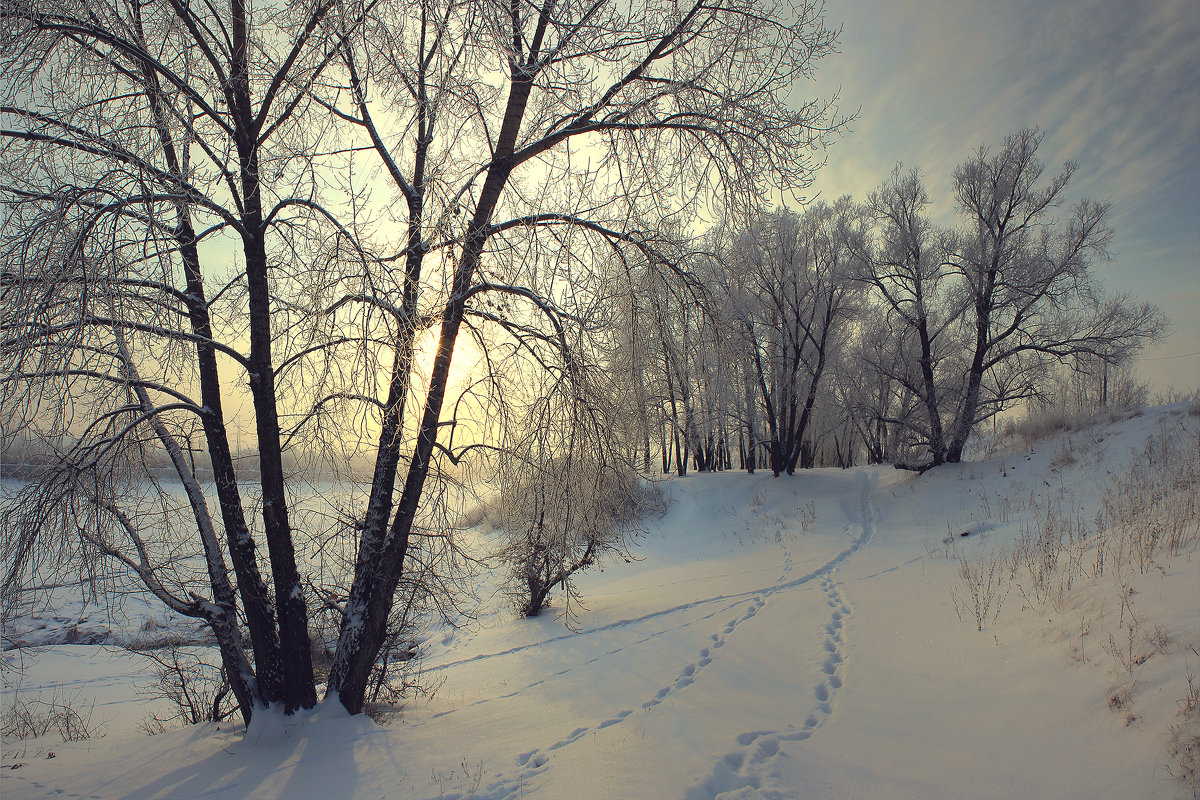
806	637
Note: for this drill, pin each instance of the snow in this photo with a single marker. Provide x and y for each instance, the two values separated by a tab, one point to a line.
756	647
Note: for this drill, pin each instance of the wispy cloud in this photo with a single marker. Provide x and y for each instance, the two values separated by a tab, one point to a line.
1114	86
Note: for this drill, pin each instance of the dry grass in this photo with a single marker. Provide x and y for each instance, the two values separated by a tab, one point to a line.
981	590
1148	517
1040	424
67	715
1183	742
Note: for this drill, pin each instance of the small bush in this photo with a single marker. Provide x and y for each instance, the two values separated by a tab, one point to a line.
1183	742
981	589
561	518
67	715
195	689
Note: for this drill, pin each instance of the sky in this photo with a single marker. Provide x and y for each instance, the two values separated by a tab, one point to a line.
1114	85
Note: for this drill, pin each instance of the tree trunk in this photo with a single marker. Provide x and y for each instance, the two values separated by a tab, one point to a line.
260	619
364	625
929	399
965	420
295	656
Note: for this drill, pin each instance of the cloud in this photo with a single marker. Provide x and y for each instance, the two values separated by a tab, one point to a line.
1115	85
1109	82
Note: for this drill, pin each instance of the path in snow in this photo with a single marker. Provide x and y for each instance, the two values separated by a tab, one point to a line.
757	750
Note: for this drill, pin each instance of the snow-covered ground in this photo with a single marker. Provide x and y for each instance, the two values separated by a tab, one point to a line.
803	637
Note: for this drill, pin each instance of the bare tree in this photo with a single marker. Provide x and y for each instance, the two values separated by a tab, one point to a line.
138	132
1025	272
142	139
979	318
916	338
790	280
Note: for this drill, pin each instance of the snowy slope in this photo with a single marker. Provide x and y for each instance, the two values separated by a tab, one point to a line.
790	638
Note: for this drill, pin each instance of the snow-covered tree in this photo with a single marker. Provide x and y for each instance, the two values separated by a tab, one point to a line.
790	283
978	318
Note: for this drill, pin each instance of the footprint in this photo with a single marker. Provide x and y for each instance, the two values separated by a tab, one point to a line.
793	735
613	721
748	737
765	748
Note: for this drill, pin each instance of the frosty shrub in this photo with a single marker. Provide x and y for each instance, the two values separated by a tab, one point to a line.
559	517
567	495
1183	743
67	715
193	684
981	588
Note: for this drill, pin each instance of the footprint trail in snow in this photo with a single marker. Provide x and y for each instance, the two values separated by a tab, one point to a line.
743	772
747	766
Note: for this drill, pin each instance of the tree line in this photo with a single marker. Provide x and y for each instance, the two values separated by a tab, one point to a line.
864	331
